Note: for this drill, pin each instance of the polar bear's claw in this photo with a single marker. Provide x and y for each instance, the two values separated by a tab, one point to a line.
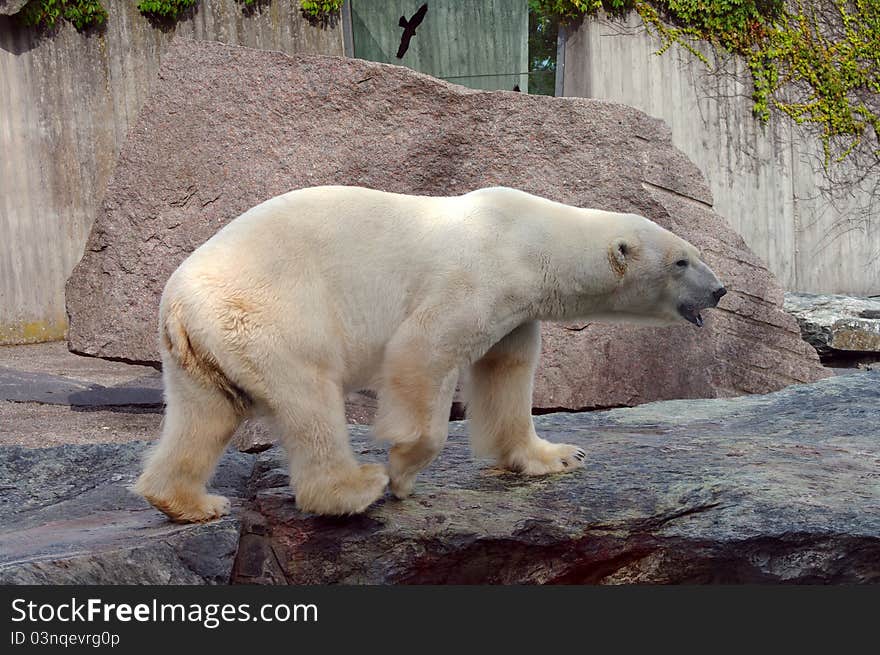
540	457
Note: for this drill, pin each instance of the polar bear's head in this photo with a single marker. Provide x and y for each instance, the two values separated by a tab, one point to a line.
661	278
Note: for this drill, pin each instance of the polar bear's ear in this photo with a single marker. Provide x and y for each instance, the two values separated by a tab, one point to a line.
619	253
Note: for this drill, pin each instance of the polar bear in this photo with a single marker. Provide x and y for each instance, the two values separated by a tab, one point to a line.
329	289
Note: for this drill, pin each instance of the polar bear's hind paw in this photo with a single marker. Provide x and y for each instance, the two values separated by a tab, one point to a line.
344	492
191	509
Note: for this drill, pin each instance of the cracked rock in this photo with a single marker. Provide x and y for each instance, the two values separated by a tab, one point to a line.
68	517
10	7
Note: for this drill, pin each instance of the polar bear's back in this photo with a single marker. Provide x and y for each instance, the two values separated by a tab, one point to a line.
325	230
366	256
342	217
350	261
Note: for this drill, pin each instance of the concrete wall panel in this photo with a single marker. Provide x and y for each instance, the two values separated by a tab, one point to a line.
66	102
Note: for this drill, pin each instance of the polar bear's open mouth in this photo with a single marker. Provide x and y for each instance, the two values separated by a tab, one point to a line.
691	314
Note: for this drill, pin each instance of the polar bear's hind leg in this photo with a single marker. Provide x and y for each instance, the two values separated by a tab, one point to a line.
325	476
407	458
198	423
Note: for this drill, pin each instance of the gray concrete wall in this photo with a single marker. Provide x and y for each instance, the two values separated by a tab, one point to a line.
482	44
66	102
766	179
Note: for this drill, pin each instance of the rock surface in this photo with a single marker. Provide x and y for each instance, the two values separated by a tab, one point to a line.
24	386
67	517
10	7
779	488
233	127
837	323
776	488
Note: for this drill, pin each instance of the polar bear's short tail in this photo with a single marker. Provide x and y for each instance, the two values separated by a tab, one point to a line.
199	362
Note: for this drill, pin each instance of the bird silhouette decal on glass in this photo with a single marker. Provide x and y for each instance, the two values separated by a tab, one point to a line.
409	29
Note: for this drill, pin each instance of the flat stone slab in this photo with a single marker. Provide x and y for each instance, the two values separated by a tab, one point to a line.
262	123
777	488
67	517
24	386
837	323
47	373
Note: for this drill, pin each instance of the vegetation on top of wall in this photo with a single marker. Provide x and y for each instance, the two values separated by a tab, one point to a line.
165	10
88	13
81	13
320	9
172	10
816	62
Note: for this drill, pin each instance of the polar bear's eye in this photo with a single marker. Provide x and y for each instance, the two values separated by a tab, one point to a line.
682	263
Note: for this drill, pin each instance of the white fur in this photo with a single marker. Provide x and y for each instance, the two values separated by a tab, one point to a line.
329	289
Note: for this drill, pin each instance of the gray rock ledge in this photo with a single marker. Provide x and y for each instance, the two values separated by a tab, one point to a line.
777	488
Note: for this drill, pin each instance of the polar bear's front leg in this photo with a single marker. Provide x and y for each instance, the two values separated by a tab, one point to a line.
499	396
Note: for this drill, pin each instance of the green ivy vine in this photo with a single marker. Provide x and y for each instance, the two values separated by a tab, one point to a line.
817	62
81	13
165	10
320	9
90	13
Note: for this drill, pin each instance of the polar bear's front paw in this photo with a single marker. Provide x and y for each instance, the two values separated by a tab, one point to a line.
540	457
212	507
348	491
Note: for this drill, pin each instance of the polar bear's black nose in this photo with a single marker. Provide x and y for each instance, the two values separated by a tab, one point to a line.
719	293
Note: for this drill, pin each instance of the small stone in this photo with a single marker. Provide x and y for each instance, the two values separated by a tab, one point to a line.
837	323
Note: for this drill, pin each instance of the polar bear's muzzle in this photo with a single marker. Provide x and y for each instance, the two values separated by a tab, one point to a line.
702	290
691	312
